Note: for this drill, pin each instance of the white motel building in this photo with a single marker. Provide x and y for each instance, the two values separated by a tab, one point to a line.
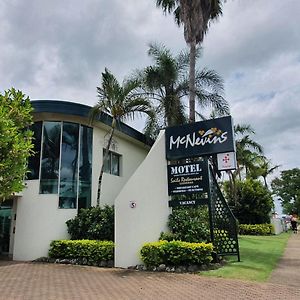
64	173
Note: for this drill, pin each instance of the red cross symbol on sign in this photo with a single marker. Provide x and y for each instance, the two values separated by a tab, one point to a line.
226	159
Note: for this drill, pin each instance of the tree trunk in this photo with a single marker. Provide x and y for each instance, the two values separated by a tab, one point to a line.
265	181
192	80
104	159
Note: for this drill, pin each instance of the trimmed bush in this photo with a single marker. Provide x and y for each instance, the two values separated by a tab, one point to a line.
92	251
176	253
94	223
190	224
256	229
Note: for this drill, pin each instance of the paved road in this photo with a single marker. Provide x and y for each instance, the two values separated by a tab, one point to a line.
30	281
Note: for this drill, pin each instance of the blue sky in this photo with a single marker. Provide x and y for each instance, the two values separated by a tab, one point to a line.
58	49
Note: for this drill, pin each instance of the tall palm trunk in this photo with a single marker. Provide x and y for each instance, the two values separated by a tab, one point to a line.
192	80
104	159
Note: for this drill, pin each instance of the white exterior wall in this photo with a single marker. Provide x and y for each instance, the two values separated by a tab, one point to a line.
144	223
132	155
39	220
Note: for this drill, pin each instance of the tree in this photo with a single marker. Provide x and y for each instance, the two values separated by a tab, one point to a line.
121	102
254	202
166	83
264	169
287	187
195	15
247	153
15	141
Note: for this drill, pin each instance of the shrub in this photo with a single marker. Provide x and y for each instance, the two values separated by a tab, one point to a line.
94	223
93	251
168	236
190	224
256	229
176	253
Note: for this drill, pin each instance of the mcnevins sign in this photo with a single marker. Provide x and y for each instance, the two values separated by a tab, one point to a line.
200	138
188	178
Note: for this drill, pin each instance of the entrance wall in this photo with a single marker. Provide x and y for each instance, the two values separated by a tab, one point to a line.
141	208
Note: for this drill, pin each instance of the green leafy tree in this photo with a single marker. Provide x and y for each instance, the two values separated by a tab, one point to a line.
121	102
195	16
15	141
287	187
166	83
254	202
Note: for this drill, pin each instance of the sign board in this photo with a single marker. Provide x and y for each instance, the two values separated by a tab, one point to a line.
188	178
226	161
200	138
189	202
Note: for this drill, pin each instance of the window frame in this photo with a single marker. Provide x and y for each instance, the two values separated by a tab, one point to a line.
112	154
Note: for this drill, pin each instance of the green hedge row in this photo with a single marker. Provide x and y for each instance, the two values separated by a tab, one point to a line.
256	229
175	253
93	251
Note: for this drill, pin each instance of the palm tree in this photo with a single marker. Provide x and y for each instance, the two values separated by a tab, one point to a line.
264	169
166	83
195	16
248	152
121	102
247	149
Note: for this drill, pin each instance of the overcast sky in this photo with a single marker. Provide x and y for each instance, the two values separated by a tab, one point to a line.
58	49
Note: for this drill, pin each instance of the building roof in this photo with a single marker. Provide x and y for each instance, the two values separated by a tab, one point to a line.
81	110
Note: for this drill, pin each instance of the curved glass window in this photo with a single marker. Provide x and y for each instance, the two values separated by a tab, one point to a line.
66	162
50	158
85	167
69	166
34	160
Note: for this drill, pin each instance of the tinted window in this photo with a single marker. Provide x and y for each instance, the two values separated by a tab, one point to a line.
50	158
34	160
85	167
69	166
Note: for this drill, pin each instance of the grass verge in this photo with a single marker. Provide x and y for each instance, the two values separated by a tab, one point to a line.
259	256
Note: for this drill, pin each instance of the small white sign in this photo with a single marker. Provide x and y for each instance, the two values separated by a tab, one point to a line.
226	161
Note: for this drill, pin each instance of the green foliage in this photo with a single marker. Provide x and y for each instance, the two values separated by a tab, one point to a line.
176	253
256	229
168	236
94	223
253	203
190	224
287	186
93	251
15	141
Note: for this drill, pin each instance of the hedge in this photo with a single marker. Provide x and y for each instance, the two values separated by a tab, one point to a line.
91	250
256	229
175	253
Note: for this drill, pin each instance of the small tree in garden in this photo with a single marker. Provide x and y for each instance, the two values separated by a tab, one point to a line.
15	141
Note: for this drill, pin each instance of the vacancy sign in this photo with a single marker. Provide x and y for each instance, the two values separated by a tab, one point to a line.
226	161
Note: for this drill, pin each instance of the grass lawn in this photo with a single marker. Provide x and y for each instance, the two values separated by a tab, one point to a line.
259	256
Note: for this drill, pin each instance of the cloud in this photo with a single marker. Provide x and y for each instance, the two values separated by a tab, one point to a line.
58	49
